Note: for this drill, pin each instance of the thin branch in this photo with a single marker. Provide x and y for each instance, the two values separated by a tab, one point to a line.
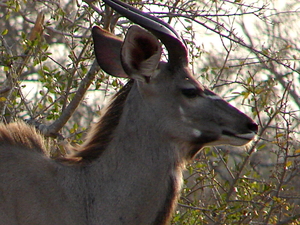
53	129
236	39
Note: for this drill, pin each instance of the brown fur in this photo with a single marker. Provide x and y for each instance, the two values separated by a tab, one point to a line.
22	135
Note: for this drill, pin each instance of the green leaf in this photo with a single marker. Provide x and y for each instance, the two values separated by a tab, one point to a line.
2	99
5	32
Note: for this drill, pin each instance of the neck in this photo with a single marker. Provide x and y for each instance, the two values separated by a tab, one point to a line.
140	174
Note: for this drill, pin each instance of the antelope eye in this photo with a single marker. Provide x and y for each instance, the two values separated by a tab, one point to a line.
190	92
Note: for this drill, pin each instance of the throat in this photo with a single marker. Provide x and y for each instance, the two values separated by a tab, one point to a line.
141	185
138	189
165	213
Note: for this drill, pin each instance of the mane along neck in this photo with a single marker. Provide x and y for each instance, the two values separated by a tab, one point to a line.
101	134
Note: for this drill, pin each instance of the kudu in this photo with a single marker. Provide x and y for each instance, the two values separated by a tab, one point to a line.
129	170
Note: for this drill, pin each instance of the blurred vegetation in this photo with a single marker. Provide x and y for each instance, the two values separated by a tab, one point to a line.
246	51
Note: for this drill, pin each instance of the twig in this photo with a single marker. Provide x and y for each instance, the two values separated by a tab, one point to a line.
68	112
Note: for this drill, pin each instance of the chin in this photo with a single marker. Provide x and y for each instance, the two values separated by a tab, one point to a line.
232	140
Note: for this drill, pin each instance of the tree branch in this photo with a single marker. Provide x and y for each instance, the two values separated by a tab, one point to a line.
53	129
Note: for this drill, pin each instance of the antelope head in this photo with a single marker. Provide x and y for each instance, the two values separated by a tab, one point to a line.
184	110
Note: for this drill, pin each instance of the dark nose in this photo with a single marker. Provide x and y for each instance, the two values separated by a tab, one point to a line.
253	127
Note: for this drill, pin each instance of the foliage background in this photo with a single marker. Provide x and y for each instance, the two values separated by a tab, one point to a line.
246	51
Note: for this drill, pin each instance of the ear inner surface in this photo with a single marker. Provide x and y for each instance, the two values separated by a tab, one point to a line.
141	52
107	50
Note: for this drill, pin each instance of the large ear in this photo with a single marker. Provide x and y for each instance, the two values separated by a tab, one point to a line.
107	50
140	54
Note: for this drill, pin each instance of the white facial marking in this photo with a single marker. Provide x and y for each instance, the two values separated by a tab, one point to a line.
197	133
182	115
181	110
213	97
248	136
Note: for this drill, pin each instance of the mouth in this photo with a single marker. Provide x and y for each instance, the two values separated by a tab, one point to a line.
247	136
226	138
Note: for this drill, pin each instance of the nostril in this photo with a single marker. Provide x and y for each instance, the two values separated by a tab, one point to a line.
253	127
